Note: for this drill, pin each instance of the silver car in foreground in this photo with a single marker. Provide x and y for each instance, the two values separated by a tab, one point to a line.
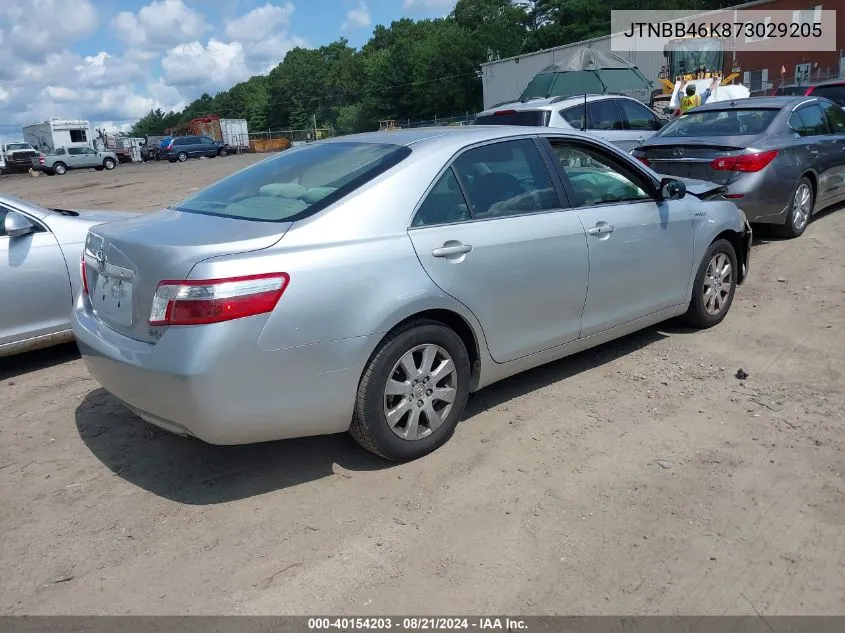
371	282
39	271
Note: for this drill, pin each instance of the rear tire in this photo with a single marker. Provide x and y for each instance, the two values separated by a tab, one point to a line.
438	370
181	157
59	169
800	210
714	287
109	164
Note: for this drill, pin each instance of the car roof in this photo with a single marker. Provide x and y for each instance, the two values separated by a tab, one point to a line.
458	135
557	102
830	82
757	102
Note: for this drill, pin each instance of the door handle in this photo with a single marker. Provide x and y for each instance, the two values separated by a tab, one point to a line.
448	251
602	228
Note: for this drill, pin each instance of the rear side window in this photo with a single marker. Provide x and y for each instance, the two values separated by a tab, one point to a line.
835	93
445	203
604	115
297	182
638	116
733	122
503	179
809	121
533	118
835	116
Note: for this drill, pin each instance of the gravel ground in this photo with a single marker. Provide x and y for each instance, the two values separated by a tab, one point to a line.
642	477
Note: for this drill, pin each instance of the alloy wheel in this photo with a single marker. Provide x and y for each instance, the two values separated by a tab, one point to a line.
420	392
801	206
717	283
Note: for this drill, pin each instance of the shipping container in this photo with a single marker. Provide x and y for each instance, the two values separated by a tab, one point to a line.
235	133
269	144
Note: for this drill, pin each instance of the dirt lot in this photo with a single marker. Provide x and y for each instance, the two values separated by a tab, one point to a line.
642	477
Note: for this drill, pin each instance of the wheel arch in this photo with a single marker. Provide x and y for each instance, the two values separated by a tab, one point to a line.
455	322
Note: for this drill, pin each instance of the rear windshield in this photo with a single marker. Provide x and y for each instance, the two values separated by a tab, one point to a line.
13	146
734	122
531	118
835	93
297	182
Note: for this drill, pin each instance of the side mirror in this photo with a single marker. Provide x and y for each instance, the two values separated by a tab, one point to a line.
671	189
17	225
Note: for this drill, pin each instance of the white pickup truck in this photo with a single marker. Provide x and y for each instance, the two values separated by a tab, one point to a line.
16	157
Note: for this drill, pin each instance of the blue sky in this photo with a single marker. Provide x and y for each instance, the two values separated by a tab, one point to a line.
111	61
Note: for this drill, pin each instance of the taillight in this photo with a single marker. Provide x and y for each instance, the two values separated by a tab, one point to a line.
809	91
197	302
41	160
744	162
504	112
643	160
84	274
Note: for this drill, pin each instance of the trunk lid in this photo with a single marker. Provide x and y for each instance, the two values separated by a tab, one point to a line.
692	157
126	260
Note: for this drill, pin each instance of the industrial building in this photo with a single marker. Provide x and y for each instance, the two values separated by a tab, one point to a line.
504	80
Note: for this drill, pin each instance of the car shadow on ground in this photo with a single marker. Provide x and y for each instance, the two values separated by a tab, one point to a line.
192	472
21	364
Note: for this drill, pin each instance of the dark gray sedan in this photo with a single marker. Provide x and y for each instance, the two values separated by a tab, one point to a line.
780	158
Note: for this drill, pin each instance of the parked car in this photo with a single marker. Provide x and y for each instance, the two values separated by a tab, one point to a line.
40	251
833	90
181	148
623	121
370	282
61	159
781	158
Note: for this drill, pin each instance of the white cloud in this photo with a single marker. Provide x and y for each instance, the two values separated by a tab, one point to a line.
34	28
357	18
164	58
160	24
429	5
263	34
218	64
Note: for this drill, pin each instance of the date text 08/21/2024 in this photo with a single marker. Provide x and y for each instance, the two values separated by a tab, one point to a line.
417	624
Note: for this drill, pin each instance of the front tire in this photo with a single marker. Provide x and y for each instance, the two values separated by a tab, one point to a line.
800	210
223	153
714	287
59	169
181	157
413	392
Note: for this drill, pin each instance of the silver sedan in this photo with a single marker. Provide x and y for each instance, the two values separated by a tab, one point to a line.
369	283
39	271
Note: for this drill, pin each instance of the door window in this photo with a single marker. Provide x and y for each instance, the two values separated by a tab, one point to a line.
505	179
639	117
207	141
809	121
597	179
835	117
604	115
445	203
75	151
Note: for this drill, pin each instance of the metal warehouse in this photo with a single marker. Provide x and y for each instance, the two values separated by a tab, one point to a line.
504	80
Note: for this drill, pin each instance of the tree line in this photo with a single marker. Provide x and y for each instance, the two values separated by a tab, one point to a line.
408	70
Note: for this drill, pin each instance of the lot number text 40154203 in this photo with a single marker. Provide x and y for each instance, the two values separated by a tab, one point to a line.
417	624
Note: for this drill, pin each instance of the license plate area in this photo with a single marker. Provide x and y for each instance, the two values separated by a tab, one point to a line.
112	299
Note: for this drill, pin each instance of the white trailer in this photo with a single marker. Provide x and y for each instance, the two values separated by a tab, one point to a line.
235	133
57	132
